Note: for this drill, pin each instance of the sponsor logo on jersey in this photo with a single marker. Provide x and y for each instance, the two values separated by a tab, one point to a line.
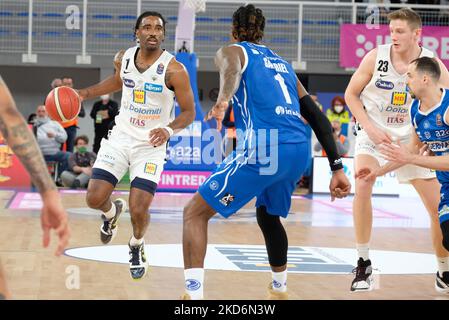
139	96
439	120
426	124
427	134
153	87
280	111
396	109
160	68
385	85
438	146
150	168
140	110
137	122
227	199
398	98
129	83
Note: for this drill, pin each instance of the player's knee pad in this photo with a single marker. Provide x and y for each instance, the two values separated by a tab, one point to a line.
275	236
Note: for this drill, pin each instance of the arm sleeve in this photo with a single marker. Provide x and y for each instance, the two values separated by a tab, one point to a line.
323	130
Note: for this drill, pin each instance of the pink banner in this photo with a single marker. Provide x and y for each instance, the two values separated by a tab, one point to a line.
356	40
182	180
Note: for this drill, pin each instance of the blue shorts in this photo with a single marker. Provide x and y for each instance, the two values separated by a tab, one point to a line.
443	207
240	178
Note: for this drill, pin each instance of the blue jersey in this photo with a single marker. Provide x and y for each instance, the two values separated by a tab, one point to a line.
433	130
267	98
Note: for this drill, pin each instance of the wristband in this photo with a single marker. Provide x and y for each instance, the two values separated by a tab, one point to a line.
336	165
170	130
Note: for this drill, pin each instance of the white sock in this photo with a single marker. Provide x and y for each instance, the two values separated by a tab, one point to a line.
443	265
111	213
363	250
194	279
279	283
133	242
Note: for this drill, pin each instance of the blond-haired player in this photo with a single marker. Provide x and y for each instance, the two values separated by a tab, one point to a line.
378	98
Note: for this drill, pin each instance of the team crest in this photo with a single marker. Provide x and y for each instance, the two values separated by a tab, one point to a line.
150	168
227	199
439	120
427	134
398	98
139	96
160	68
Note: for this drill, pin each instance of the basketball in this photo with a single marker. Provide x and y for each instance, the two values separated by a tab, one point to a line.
63	104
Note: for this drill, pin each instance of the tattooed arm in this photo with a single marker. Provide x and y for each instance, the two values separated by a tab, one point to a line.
21	140
230	61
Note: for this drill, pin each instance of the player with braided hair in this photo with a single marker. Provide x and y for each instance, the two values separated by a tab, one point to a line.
269	103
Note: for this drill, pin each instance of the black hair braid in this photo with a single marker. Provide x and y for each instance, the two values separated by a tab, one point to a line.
248	23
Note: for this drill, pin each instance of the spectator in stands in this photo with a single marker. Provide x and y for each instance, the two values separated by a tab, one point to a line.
231	135
80	165
337	111
56	82
103	112
71	126
31	119
50	135
340	140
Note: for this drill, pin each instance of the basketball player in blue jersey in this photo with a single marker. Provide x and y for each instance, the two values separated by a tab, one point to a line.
22	141
430	118
269	103
150	78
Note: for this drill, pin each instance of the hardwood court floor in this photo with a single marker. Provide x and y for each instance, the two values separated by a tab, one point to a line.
34	273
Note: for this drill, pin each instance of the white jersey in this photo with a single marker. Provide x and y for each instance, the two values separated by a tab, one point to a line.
386	98
147	103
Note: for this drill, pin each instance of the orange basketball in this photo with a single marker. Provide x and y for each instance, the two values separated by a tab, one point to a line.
63	104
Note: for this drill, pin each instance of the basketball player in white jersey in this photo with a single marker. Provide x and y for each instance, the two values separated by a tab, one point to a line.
378	98
21	140
150	78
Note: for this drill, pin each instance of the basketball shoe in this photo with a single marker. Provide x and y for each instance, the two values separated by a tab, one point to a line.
442	283
109	228
276	295
138	264
363	280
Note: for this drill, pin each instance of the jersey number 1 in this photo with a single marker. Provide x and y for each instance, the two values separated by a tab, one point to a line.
284	89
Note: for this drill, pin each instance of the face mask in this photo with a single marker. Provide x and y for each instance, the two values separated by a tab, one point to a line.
338	109
82	149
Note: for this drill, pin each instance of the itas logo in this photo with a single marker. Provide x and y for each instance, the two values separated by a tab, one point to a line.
398	98
150	168
385	85
160	68
227	199
139	96
153	87
129	83
137	122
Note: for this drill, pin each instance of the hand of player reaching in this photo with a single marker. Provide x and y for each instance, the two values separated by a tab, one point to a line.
396	152
54	216
339	186
158	137
217	112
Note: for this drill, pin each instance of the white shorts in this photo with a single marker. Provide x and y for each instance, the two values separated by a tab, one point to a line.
364	145
121	152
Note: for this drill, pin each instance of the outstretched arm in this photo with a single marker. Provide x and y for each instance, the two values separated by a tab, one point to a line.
21	140
111	84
